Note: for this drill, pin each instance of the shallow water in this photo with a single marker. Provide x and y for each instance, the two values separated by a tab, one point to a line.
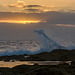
16	63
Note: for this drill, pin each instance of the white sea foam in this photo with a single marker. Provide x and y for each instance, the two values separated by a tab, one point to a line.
18	47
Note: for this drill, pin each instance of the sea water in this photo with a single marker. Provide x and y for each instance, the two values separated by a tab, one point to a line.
10	47
19	47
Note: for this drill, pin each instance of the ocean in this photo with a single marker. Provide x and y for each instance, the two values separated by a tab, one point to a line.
19	47
10	47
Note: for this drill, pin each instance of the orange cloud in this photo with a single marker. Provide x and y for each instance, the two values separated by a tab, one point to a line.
66	25
18	4
20	22
31	8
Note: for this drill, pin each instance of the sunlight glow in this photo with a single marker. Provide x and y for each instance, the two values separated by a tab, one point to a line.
19	22
66	25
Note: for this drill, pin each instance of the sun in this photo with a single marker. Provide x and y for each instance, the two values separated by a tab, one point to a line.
19	22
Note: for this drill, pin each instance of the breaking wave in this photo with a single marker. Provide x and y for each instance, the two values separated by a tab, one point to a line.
20	47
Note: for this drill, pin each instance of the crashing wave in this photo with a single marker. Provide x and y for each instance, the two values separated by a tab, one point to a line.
46	45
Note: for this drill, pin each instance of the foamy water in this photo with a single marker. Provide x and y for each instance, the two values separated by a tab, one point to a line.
16	47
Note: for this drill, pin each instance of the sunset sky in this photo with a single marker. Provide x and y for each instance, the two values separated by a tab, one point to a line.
19	18
22	5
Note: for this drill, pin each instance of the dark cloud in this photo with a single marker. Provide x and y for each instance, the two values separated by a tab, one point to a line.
34	6
28	8
34	10
22	6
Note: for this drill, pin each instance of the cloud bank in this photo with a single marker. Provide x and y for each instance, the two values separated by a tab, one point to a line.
53	17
